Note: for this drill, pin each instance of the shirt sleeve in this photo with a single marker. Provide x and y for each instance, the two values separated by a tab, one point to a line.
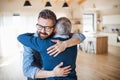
28	69
33	42
80	36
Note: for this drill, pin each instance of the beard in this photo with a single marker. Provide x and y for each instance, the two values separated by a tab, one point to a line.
43	35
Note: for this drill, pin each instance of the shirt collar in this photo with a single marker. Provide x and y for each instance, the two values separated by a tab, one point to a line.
36	34
61	36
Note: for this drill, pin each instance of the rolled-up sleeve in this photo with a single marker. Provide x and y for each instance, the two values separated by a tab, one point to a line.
80	36
28	69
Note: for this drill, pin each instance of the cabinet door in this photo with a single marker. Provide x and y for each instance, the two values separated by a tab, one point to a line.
102	45
111	19
112	40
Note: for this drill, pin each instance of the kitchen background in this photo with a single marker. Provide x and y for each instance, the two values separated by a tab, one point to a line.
94	17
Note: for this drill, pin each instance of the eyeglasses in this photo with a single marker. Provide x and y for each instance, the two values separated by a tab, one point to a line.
46	28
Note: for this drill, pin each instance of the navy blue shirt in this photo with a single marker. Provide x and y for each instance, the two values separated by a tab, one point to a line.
68	57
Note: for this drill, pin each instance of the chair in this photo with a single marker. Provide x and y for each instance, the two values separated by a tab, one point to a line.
90	47
82	46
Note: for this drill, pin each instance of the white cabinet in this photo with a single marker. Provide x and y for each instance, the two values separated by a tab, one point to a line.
112	39
111	19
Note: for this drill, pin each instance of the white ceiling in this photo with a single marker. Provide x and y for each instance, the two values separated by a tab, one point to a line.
101	4
87	5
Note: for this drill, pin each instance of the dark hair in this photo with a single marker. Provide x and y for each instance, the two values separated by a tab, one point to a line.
48	14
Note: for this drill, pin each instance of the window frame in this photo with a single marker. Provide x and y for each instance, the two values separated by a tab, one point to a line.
93	22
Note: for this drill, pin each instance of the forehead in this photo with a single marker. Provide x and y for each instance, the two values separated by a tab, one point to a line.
45	22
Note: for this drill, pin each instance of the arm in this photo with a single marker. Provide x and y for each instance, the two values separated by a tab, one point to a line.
62	45
56	72
29	40
76	39
28	69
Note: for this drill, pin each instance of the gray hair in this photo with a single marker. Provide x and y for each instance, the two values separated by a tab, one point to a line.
63	26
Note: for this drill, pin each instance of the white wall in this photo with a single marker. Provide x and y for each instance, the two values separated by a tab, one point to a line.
9	25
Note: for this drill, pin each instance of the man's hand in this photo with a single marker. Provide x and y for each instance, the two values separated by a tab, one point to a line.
59	47
61	72
58	71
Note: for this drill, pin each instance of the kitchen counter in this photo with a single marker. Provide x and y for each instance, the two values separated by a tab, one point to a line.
95	34
99	43
112	39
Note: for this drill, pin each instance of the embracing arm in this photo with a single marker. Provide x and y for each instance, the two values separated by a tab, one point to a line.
31	41
76	39
56	72
28	69
62	45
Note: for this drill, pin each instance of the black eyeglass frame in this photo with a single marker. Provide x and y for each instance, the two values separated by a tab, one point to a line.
46	28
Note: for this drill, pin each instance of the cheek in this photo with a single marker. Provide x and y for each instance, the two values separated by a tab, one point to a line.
38	31
50	32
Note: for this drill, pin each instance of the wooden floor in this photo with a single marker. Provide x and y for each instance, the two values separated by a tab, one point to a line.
99	67
89	66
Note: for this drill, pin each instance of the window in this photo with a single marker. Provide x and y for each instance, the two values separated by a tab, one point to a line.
88	23
13	26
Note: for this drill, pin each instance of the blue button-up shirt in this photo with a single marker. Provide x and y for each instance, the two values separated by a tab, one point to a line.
28	69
